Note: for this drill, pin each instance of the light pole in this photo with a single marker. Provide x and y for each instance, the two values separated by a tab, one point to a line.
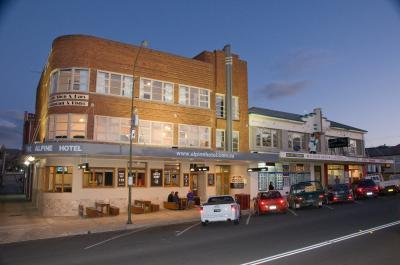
134	122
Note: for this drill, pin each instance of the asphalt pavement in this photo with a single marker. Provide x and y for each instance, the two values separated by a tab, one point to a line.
366	232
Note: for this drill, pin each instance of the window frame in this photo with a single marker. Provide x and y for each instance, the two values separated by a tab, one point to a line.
235	107
272	133
122	82
108	132
72	80
48	175
92	171
69	126
198	136
188	99
303	141
163	90
150	134
167	167
224	136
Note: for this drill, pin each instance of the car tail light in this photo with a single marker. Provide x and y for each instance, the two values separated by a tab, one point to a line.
376	188
360	189
233	208
201	209
262	202
321	196
299	198
350	197
335	198
281	201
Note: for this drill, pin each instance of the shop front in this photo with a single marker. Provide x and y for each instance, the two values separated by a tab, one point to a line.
62	183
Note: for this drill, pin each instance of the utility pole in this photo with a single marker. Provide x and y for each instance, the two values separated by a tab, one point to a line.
228	97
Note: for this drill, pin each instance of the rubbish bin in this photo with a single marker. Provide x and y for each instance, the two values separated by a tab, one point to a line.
243	200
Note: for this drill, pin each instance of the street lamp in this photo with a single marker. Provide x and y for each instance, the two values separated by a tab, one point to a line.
134	122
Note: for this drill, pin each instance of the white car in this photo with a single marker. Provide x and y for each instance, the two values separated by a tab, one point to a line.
220	208
385	186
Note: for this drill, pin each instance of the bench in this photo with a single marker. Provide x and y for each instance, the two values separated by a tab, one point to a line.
155	207
114	211
171	206
92	212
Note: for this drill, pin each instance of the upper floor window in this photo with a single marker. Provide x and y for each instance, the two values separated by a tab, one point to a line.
155	133
296	141
194	136
111	129
114	84
193	96
69	80
220	107
220	140
67	126
156	90
266	137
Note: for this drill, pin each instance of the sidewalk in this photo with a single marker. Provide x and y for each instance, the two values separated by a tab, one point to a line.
20	221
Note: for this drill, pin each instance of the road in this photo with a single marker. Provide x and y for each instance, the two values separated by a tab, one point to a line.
306	236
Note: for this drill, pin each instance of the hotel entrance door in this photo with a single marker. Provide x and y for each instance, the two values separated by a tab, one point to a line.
222	183
197	184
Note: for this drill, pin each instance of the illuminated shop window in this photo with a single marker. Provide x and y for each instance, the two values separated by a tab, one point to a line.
172	175
98	178
111	129
58	179
155	133
194	136
66	126
69	80
114	84
156	90
193	96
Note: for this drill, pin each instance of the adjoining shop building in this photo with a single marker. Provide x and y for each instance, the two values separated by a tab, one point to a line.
302	143
83	116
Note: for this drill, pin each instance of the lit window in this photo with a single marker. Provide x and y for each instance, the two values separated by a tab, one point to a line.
58	179
114	84
171	175
194	136
156	90
193	96
68	80
98	178
112	129
155	133
67	126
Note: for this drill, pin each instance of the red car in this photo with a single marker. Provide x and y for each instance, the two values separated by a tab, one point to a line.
271	201
365	188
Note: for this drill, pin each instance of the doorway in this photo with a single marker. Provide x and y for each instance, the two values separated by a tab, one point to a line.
222	181
197	184
318	173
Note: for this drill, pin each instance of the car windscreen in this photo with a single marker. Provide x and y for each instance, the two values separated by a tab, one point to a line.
366	183
221	199
306	187
270	195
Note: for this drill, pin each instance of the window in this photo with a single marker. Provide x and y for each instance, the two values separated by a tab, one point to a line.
114	84
171	175
111	129
67	126
352	149
69	80
220	106
138	174
98	177
266	137
193	96
58	179
155	133
156	90
220	140
194	136
297	141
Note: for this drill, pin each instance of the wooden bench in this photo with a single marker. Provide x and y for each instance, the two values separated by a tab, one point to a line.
92	212
114	211
137	210
171	206
155	207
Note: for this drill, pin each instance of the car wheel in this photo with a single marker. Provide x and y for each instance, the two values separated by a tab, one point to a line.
236	222
204	223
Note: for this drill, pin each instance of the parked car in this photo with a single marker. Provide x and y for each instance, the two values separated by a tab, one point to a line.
220	208
396	177
339	193
385	186
309	193
271	201
365	188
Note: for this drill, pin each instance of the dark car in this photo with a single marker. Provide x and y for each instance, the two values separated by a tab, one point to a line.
268	202
309	193
365	188
339	193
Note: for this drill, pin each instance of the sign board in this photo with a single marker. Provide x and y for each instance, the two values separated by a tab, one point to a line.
185	179
121	177
69	99
156	177
338	142
237	182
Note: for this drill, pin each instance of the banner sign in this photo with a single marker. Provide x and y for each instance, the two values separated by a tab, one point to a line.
69	99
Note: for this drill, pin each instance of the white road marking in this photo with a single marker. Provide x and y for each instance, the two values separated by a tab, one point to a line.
360	203
322	244
326	206
115	237
248	219
292	212
190	227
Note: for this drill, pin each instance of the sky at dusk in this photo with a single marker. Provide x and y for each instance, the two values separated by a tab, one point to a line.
342	56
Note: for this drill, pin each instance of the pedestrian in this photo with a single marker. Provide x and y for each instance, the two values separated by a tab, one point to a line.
337	180
271	186
190	198
177	200
171	197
